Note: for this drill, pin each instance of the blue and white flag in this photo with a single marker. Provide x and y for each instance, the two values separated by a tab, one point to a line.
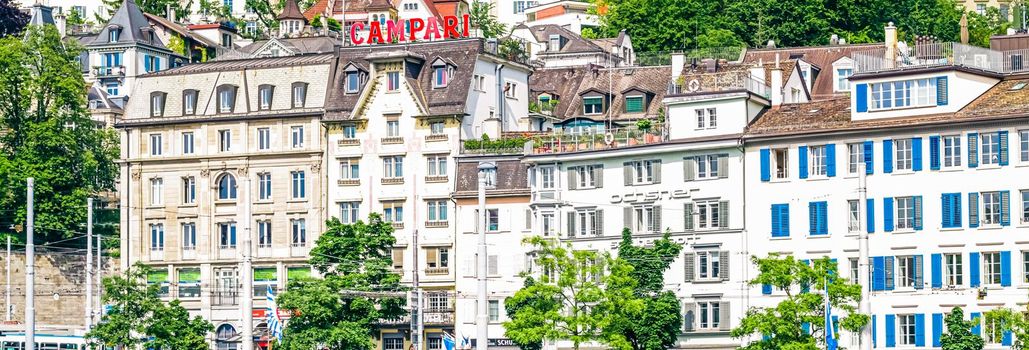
274	323
448	341
830	331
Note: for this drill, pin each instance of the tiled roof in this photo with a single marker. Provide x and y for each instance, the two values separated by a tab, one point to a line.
352	6
300	46
291	11
573	42
511	177
831	115
570	83
820	56
253	63
443	101
181	30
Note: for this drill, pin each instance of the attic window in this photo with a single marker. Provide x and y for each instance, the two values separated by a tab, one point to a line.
113	35
634	104
353	82
440	76
555	42
794	56
1017	87
264	97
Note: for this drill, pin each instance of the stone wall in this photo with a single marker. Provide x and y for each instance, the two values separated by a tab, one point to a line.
60	286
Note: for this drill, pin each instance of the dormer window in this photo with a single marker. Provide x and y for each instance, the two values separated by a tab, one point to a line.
113	35
227	40
635	104
353	82
157	100
189	102
299	94
264	97
392	81
592	105
903	94
226	98
440	76
555	42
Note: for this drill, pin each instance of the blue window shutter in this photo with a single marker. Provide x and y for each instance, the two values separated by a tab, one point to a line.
869	167
870	215
830	160
766	172
973	269
941	91
936	262
1005	269
973	210
1008	339
1003	136
861	94
766	289
776	221
812	212
888	214
919	271
973	150
934	153
146	63
887	156
916	154
878	273
891	329
947	207
874	335
890	273
919	329
978	328
157	61
1005	208
823	217
802	161
784	220
918	212
937	329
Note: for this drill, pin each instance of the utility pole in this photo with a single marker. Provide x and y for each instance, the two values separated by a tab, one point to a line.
863	269
89	263
416	297
482	315
99	273
7	294
246	272
30	269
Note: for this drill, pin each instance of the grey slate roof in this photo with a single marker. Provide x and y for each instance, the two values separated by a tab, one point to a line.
253	63
511	176
131	21
291	11
301	46
41	15
569	84
573	43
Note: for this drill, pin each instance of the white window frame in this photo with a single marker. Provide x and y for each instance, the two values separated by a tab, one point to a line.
853	216
586	223
264	97
436	165
156	144
298	232
187	142
547	177
708	265
906	330
189	235
951	151
264	186
842	79
709	315
264	139
906	273
437	127
1023	145
350	169
644	219
989	153
991	268
264	233
707	166
392	128
392	81
548	223
349	212
493	220
156	191
707	214
225	140
393	211
391	166
905	213
592	111
780	163
584	177
297	136
855	156
1024	218
437	210
157	237
902	155
189	190
952	271
990	212
818	161
298	185
643	172
912	93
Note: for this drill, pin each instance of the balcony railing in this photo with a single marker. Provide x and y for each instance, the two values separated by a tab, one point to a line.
225	298
437	270
435	318
348	142
107	72
392	140
546	196
561	142
718	82
940	54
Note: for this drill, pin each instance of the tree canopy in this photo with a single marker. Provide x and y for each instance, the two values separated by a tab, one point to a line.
959	334
12	20
46	133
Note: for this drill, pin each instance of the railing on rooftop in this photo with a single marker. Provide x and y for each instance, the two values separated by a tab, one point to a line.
664	58
716	82
938	55
561	142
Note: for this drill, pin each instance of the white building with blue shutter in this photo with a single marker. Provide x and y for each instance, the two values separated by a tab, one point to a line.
942	132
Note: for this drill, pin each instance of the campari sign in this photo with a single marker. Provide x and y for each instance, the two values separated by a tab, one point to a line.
419	29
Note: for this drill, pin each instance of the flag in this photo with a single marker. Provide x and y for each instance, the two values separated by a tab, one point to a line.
274	323
830	331
448	341
465	343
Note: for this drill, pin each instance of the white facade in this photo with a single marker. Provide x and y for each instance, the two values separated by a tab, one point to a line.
88	9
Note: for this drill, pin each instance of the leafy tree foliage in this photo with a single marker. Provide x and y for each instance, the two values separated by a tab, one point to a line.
481	17
46	133
12	20
532	302
138	317
781	326
959	332
153	7
655	323
982	27
340	310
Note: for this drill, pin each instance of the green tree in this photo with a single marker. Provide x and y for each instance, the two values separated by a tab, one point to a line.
481	17
340	310
532	302
653	319
959	332
782	325
575	280
138	317
12	20
153	7
982	27
46	133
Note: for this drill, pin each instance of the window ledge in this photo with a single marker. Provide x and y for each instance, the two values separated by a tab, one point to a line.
903	172
951	229
349	182
436	224
818	178
786	238
348	142
903	231
392	180
188	205
154	206
224	201
708	281
436	137
264	201
988	166
990	227
297	200
392	140
951	169
436	179
811	236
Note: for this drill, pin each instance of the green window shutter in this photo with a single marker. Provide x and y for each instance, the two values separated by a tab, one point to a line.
298	272
265	274
157	276
634	104
189	275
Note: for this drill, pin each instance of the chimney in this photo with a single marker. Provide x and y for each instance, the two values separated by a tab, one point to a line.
61	22
710	65
678	63
843	41
771	44
891	45
776	83
834	40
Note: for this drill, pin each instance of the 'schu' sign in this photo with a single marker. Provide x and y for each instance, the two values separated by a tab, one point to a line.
420	29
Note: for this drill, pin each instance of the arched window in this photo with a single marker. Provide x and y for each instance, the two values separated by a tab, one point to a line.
224	337
226	187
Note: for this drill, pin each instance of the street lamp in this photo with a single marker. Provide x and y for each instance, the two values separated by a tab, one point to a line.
482	317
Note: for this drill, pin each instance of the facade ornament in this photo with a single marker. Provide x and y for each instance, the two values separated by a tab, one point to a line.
205	172
316	167
137	174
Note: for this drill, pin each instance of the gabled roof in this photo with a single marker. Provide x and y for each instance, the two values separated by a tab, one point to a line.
130	19
571	83
349	6
291	11
296	46
820	56
41	15
573	43
181	30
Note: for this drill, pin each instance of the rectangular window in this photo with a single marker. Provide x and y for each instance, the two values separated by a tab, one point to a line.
781	157
189	190
437	257
299	188
902	154
842	79
393	167
187	143
479	82
1023	145
156	237
265	96
547	224
494	310
264	234
393	212
189	236
437	210
586	176
906	272
492	220
226	100
227	235
112	89
907	329
490	177
511	90
393	343
643	171
349	212
264	139
634	104
709	315
853	216
707	166
189	102
952	269
708	265
353	82
1025	206
991	208
298	228
903	94
990	148
350	169
592	105
224	140
156	191
951	151
297	136
817	160
349	132
157	105
393	128
437	127
646	219
707	214
436	165
155	144
707	118
392	81
547	178
440	77
264	186
905	213
991	268
854	271
299	95
855	156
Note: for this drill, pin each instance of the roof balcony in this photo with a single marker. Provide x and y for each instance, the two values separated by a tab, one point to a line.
109	71
928	55
717	82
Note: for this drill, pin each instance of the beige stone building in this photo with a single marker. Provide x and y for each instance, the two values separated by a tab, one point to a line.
979	6
213	154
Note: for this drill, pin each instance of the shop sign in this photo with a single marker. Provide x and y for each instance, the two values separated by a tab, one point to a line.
647	197
409	30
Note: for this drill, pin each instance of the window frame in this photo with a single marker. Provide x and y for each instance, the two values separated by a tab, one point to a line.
264	186
903	154
950	152
298	232
780	163
709	315
436	164
709	264
953	263
990	208
226	95
156	236
906	330
818	159
992	269
156	144
593	105
989	149
906	272
392	81
264	139
296	137
393	167
350	212
188	139
298	94
437	210
156	191
158	101
265	97
350	169
189	235
225	140
298	184
905	213
853	216
643	103
189	190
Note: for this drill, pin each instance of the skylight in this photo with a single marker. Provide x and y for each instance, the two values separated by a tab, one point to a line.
1017	87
